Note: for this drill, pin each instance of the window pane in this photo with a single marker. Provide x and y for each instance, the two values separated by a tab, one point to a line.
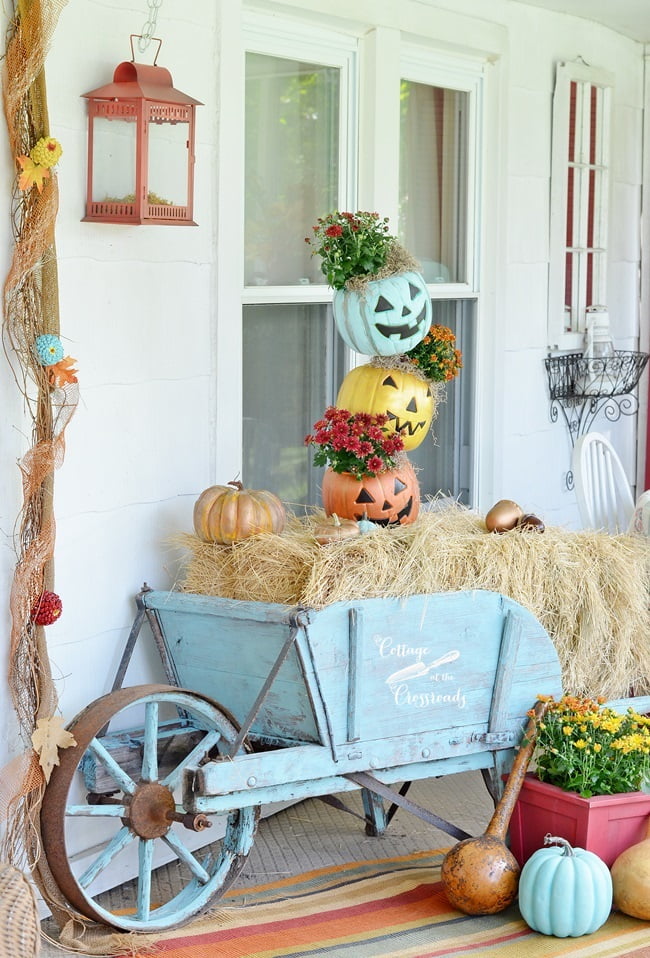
292	368
292	175
444	462
433	179
586	203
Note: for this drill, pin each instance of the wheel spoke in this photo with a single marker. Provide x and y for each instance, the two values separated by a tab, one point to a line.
145	858
119	841
120	777
150	750
173	780
186	856
96	811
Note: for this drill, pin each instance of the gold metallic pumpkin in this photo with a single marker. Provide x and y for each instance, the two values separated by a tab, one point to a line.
406	399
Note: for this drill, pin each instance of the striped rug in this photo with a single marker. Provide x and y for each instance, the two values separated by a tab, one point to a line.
390	908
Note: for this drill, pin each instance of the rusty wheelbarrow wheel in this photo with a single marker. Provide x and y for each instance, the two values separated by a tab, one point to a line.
134	818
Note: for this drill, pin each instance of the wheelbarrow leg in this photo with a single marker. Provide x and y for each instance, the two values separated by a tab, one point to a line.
376	818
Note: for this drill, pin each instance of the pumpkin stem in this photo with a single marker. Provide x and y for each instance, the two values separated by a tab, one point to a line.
567	848
237	484
335	519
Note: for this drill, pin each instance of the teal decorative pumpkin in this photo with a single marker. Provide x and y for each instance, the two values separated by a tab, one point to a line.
565	892
387	317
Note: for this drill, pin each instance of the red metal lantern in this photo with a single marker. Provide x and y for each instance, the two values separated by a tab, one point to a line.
140	148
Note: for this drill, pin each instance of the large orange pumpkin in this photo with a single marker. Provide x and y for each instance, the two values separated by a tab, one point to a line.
391	497
406	399
227	515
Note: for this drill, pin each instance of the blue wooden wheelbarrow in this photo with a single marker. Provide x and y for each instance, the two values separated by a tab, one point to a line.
269	703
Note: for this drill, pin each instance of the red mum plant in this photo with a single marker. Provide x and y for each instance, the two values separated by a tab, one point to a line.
354	443
350	244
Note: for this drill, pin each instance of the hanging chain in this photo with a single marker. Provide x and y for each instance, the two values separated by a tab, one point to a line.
149	27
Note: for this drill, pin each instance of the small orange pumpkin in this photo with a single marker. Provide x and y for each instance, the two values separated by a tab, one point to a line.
334	529
389	498
229	515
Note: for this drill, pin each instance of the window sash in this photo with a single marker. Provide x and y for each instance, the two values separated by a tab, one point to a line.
293	41
579	201
465	75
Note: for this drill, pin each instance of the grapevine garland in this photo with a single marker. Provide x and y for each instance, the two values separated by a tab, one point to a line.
47	382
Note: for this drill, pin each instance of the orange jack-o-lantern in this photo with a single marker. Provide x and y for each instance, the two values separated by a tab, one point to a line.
406	399
391	497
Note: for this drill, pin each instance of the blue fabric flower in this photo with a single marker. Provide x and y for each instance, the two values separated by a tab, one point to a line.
49	349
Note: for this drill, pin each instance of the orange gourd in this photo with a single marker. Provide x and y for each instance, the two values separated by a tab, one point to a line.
389	498
481	875
227	515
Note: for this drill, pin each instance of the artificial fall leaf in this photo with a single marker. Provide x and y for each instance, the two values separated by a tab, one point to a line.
61	373
47	738
33	174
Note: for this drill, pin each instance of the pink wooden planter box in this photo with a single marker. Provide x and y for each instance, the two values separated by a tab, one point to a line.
605	824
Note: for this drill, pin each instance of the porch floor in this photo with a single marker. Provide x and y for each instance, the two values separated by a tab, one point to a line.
313	835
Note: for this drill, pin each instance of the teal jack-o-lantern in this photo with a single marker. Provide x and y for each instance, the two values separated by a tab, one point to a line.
385	318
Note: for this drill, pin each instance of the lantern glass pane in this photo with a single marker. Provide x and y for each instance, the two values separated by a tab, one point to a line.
434	178
292	166
114	150
168	163
293	364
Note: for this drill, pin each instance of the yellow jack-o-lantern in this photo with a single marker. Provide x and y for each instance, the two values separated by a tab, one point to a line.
406	399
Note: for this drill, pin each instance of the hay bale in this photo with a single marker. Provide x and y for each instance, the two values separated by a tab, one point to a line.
589	590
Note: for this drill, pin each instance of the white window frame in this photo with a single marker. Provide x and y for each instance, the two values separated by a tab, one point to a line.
567	332
384	56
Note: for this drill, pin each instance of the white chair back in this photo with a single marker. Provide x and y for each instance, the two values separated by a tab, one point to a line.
602	488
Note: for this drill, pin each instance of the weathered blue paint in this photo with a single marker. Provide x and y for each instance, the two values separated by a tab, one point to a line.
402	687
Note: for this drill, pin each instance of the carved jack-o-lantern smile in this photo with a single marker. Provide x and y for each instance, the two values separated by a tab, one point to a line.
387	318
406	329
406	399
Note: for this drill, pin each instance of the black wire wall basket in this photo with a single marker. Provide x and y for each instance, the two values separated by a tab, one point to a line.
581	387
575	376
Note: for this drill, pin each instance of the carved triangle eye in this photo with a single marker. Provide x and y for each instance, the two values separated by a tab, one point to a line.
364	496
413	290
399	486
383	305
389	381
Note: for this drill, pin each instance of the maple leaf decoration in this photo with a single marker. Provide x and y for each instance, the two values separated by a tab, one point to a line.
63	372
47	738
32	174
